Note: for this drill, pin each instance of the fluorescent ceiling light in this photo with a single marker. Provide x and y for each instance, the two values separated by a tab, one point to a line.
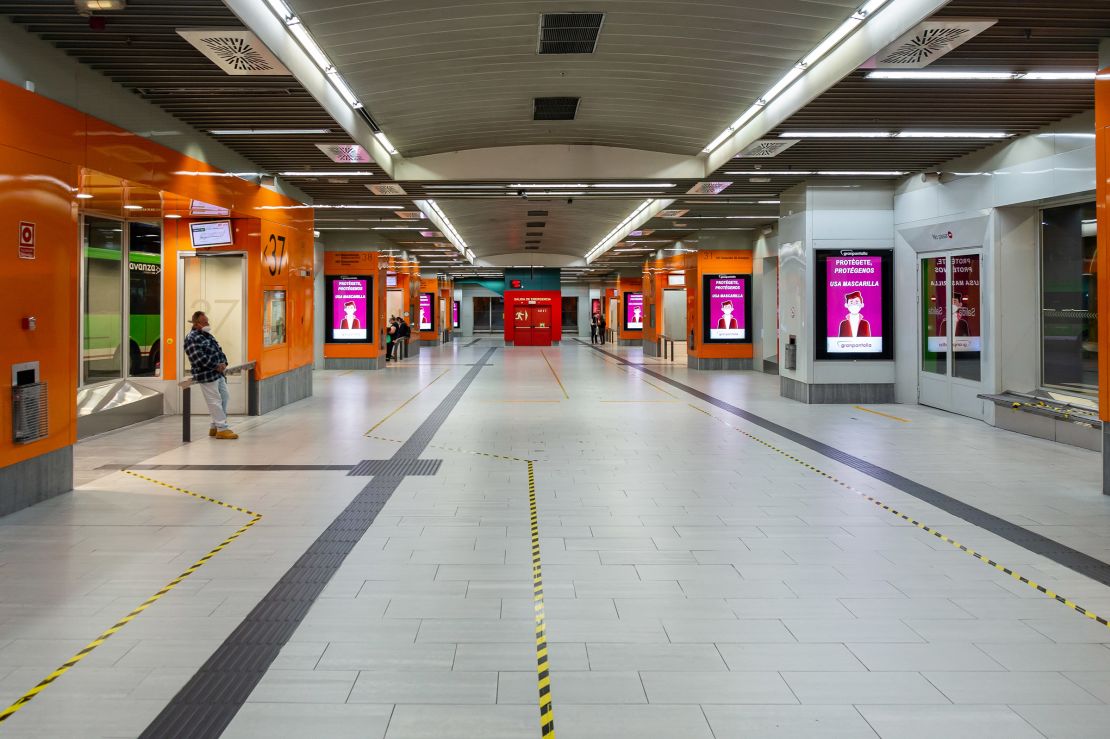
84	196
133	207
783	172
381	137
836	135
599	248
339	173
342	228
546	187
953	135
657	185
922	74
298	30
830	42
791	173
851	173
358	207
462	187
769	202
400	228
267	131
447	227
172	215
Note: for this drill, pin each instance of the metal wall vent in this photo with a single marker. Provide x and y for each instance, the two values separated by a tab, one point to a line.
535	224
345	153
236	51
766	148
537	212
569	33
387	188
927	42
554	109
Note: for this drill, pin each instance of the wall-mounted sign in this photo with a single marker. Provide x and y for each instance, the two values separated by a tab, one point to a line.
633	311
963	309
349	316
427	319
676	279
210	233
391	280
854	304
515	284
726	306
26	240
454	314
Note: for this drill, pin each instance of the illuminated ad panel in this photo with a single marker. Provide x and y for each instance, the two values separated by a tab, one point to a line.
854	304
427	321
633	311
349	319
726	309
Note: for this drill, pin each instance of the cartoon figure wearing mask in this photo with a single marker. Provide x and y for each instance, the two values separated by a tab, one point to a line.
959	312
636	315
727	320
854	325
349	320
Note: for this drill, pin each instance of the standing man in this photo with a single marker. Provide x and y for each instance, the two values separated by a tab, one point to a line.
593	328
209	364
403	332
601	328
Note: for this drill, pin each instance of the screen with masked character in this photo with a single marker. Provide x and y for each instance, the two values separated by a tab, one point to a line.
349	318
726	302
854	303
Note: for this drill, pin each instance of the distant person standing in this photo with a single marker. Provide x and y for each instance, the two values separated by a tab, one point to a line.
593	328
601	328
209	363
390	338
403	332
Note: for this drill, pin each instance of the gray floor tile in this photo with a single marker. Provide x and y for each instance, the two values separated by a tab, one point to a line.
859	688
429	687
735	688
951	722
788	722
1012	688
632	722
573	688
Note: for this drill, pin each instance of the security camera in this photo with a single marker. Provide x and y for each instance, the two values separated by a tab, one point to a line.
523	194
570	200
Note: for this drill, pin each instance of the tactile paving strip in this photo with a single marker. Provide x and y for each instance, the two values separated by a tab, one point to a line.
212	697
1062	554
395	467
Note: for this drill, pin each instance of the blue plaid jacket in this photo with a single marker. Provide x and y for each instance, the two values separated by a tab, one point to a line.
204	354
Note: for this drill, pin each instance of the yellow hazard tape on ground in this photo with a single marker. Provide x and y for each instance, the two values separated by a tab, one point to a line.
556	374
880	413
88	649
543	671
398	408
968	550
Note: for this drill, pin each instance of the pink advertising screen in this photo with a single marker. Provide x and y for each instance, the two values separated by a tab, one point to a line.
454	314
854	304
727	305
426	319
349	309
633	311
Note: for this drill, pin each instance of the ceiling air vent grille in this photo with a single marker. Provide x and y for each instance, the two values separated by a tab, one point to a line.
569	33
554	109
387	188
234	50
345	153
537	212
927	42
766	148
535	224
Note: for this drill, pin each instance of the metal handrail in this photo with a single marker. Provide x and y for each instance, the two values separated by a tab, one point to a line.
187	399
232	370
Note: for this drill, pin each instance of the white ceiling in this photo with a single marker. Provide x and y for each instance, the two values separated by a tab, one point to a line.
667	76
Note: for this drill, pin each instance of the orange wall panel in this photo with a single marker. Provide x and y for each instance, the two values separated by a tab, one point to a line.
1102	260
711	263
359	263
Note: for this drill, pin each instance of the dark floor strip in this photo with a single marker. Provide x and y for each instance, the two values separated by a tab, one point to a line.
474	342
212	697
234	467
1062	554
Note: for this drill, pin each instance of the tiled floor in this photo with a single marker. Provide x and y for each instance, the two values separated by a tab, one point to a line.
697	582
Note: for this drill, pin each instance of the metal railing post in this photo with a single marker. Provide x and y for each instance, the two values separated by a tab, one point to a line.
186	414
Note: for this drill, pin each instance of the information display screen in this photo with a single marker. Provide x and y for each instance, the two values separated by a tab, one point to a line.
726	309
854	299
210	233
633	311
427	320
391	280
454	314
349	316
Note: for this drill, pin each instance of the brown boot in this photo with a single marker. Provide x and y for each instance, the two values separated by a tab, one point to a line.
211	430
226	434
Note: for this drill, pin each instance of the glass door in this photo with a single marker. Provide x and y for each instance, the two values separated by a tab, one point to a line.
216	284
951	331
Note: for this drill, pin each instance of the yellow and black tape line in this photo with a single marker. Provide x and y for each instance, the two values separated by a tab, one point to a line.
967	550
453	449
543	671
88	649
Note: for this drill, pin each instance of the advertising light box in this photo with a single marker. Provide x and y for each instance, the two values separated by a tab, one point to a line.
633	311
854	304
454	314
349	316
726	307
427	320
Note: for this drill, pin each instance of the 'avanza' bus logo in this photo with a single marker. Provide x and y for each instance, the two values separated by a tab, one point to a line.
944	236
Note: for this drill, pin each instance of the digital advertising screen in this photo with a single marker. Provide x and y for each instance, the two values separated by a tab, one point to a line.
349	317
727	305
210	233
633	311
454	314
854	301
426	320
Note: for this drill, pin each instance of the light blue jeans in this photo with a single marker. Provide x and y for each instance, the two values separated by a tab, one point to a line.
216	396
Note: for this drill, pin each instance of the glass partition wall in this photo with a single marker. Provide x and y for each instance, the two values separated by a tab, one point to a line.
121	305
1069	328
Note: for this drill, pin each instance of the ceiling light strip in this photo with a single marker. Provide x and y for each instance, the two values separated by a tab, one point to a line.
972	75
637	218
819	52
436	215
